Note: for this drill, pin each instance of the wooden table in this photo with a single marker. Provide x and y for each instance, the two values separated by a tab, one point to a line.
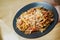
8	9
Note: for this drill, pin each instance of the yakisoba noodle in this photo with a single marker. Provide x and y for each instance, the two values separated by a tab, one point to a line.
35	19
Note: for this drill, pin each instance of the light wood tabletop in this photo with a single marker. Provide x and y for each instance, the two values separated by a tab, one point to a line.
8	9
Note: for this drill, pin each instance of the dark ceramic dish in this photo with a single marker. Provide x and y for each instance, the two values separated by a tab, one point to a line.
32	5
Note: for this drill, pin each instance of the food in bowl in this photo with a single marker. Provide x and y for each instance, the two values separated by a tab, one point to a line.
34	19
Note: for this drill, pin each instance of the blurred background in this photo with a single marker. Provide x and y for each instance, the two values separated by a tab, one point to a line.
8	9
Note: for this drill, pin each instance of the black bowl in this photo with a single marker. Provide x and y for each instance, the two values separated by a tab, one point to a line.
32	5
